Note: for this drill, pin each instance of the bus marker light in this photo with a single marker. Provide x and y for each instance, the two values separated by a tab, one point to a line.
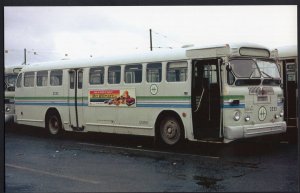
184	114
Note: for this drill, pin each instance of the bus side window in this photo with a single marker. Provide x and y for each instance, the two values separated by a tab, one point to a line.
56	77
114	74
80	79
28	79
97	75
133	73
177	71
154	72
42	78
19	80
72	79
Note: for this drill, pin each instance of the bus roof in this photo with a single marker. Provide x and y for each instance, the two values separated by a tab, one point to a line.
139	57
287	51
12	68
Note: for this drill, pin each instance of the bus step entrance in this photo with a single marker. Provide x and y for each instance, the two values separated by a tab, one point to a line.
77	128
211	140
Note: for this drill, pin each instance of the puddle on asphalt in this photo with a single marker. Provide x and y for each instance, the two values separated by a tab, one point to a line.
207	182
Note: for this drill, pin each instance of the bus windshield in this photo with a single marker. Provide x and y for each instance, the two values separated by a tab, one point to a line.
250	72
10	80
269	71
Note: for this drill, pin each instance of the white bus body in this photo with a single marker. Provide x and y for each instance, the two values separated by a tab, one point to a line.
10	76
172	95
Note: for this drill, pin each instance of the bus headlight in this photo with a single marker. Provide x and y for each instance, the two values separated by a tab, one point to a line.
7	109
276	116
236	116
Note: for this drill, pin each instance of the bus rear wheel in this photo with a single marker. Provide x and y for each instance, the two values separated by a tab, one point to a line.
53	124
170	131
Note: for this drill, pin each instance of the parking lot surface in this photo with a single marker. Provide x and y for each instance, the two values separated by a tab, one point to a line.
92	162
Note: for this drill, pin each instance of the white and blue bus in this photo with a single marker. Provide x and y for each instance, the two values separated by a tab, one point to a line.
216	93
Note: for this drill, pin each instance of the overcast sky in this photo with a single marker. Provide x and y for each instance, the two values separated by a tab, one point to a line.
48	33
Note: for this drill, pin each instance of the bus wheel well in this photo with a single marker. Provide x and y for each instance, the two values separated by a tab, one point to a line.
164	114
53	122
51	111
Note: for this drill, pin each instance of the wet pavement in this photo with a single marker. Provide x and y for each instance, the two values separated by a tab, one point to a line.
92	162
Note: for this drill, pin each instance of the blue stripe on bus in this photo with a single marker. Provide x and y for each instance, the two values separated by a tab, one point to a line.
233	106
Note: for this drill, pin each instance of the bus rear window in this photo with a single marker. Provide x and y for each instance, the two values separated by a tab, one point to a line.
177	71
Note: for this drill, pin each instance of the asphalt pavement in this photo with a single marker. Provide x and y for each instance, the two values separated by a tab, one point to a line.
92	162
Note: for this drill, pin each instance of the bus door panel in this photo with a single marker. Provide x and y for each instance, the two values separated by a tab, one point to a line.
75	99
290	95
206	99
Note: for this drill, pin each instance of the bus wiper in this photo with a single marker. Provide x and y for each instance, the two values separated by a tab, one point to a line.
267	75
251	74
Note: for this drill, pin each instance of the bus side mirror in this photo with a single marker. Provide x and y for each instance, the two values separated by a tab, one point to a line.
228	68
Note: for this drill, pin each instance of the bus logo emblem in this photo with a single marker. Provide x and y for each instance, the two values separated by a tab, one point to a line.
262	113
153	89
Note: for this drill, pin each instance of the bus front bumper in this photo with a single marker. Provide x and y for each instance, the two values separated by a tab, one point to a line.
246	131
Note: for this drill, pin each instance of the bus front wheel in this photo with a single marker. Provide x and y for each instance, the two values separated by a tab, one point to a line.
170	131
53	124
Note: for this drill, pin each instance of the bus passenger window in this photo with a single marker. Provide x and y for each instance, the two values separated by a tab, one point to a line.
154	72
97	75
42	78
80	78
177	71
114	74
56	77
28	79
72	79
19	80
133	73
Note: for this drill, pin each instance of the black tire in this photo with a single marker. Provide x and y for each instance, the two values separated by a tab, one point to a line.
53	124
170	131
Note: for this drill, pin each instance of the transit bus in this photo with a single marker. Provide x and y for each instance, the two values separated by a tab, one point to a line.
217	93
288	61
10	76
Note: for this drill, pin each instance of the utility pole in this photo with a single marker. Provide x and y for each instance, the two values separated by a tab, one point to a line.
150	39
24	56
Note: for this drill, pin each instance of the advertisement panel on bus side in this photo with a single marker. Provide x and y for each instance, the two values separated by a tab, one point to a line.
112	97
